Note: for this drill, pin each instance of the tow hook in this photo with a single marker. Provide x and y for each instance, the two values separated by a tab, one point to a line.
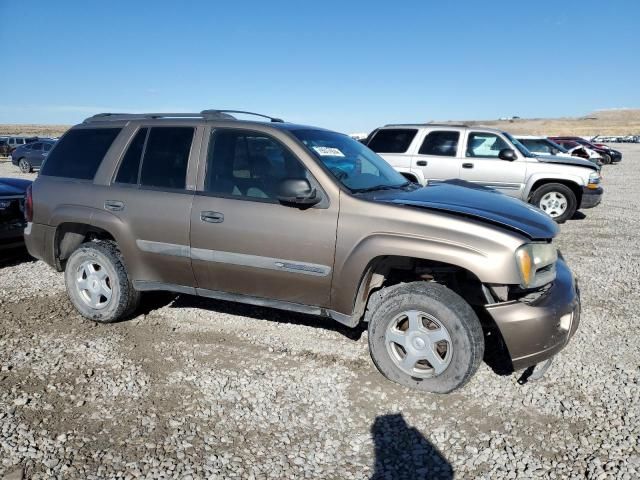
535	372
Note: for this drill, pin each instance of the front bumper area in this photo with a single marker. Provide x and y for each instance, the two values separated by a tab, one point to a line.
591	197
534	332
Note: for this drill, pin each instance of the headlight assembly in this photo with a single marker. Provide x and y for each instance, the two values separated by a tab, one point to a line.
536	264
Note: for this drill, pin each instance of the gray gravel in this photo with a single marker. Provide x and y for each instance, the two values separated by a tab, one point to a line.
193	388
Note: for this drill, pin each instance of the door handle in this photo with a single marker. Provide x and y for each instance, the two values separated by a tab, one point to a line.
212	217
114	205
467	165
421	163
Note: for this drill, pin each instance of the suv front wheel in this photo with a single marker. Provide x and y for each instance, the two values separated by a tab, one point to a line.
97	282
556	200
424	336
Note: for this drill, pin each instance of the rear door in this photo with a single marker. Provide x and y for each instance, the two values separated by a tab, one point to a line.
393	145
243	241
35	155
149	194
482	165
438	155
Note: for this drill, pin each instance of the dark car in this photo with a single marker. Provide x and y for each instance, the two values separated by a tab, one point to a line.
12	223
609	155
29	157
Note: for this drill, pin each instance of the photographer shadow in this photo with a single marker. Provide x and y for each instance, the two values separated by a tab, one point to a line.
402	451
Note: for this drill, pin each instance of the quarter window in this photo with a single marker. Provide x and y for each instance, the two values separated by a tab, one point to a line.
482	144
441	143
248	164
79	152
166	157
392	140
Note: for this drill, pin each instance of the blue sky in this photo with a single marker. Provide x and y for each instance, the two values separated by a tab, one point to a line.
345	65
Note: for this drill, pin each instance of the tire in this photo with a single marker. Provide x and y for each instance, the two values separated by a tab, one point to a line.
557	200
606	159
438	306
90	298
25	166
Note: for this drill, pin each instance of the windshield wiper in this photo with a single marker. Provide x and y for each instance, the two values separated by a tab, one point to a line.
380	187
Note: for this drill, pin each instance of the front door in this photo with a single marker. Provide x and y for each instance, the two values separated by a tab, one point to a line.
482	165
243	241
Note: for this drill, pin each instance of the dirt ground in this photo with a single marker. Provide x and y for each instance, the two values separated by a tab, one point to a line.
195	388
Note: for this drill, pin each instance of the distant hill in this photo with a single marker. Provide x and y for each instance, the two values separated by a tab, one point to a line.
33	130
600	122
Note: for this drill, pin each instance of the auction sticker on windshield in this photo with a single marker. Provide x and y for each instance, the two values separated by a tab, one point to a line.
328	151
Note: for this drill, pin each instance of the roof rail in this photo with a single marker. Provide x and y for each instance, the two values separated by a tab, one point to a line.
217	113
205	114
427	124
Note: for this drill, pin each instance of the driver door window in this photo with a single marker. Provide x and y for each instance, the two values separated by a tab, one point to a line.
485	145
248	165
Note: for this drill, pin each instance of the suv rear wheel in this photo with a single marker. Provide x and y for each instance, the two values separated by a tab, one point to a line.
25	166
97	283
556	200
424	336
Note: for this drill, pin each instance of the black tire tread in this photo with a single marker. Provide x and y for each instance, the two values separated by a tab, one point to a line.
438	293
129	298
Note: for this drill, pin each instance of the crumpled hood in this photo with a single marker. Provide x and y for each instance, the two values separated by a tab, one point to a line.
471	200
581	162
10	187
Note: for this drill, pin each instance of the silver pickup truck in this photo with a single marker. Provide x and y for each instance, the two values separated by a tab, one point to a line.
491	158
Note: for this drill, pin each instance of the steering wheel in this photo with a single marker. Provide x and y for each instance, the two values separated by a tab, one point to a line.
339	173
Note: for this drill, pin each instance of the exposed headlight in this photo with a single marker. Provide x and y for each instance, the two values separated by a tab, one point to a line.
594	180
5	204
537	264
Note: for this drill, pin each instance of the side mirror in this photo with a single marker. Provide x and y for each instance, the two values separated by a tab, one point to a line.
507	154
297	191
554	151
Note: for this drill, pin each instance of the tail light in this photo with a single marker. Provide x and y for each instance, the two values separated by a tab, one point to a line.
28	205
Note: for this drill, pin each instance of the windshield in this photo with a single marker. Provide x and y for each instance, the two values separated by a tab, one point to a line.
353	164
523	150
555	145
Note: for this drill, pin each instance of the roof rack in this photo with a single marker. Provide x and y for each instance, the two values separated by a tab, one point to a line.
204	114
427	124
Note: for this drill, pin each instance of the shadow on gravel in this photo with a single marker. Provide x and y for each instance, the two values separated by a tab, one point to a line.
578	216
257	313
15	256
403	452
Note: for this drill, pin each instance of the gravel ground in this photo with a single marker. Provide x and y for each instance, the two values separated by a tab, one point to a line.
193	388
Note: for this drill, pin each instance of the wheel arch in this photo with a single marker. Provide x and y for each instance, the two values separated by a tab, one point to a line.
574	185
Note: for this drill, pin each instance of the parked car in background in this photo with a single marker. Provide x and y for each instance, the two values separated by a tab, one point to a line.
5	150
16	141
609	155
578	150
12	204
302	219
491	158
29	157
544	146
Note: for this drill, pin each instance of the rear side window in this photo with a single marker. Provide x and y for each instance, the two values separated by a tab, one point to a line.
166	157
47	147
392	140
442	143
130	165
79	153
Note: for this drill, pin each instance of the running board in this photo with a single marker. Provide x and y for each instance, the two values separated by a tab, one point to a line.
348	320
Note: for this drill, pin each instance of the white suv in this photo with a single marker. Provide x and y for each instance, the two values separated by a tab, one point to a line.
490	158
